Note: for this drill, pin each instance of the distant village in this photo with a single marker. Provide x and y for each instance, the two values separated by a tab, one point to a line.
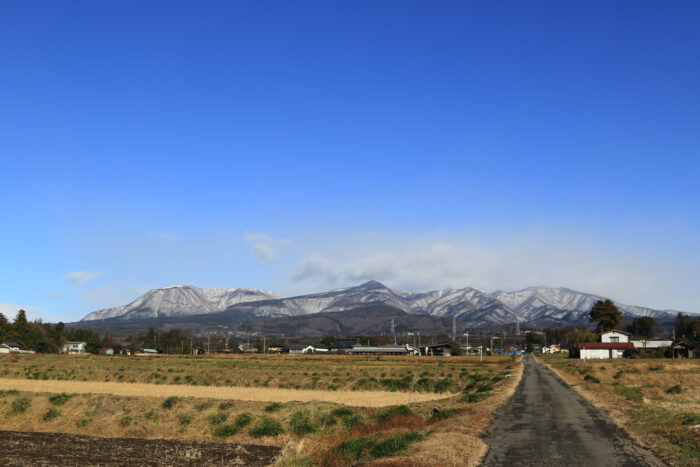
612	344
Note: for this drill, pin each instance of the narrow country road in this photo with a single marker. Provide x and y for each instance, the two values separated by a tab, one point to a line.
546	423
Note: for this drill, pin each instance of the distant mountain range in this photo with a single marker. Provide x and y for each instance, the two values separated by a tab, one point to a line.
534	306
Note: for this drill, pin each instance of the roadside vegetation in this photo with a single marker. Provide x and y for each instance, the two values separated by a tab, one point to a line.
312	433
657	401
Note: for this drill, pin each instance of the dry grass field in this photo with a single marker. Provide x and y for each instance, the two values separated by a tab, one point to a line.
341	425
325	372
657	401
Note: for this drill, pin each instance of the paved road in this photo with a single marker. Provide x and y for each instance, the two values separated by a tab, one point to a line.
546	423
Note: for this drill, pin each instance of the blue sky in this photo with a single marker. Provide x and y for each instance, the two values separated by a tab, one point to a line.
301	146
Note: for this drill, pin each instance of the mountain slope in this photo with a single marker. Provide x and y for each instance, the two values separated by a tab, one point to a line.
535	303
181	300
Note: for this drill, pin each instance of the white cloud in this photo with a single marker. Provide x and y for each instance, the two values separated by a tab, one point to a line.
264	248
315	267
454	260
79	278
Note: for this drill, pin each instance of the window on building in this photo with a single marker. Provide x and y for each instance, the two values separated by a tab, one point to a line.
614	339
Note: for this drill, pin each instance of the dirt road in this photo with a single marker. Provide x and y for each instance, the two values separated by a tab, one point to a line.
57	449
352	398
546	423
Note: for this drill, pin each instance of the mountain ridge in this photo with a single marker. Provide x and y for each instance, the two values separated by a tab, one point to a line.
473	307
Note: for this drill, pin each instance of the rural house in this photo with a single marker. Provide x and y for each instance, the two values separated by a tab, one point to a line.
74	348
615	336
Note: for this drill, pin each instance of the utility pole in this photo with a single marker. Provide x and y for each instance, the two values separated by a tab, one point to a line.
264	345
467	343
393	330
481	353
454	328
418	339
208	342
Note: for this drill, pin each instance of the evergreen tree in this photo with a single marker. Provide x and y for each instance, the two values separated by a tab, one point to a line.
606	314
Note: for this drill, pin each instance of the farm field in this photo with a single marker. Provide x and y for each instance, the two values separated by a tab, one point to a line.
325	372
657	401
322	429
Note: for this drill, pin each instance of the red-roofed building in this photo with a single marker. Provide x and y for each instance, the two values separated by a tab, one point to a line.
600	350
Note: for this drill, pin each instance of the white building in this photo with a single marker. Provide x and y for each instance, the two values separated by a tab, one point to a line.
652	344
74	347
615	336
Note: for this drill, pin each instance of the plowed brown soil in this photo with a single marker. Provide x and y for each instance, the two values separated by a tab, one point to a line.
57	449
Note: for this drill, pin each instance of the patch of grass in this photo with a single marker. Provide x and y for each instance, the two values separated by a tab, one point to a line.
394	444
393	412
631	394
273	406
217	418
201	406
443	385
484	388
443	414
267	427
342	412
20	405
691	419
355	449
300	424
472	397
368	447
125	421
59	399
50	414
225	405
243	420
676	389
350	421
170	402
592	379
185	419
224	431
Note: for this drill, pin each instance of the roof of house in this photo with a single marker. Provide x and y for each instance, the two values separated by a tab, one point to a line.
12	344
438	345
605	345
616	331
375	349
344	344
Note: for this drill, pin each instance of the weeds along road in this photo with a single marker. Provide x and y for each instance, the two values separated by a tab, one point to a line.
546	423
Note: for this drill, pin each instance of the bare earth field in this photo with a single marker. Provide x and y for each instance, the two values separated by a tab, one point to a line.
348	410
656	401
57	449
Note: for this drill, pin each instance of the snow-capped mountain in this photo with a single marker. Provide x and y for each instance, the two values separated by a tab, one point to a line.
563	304
473	307
181	300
